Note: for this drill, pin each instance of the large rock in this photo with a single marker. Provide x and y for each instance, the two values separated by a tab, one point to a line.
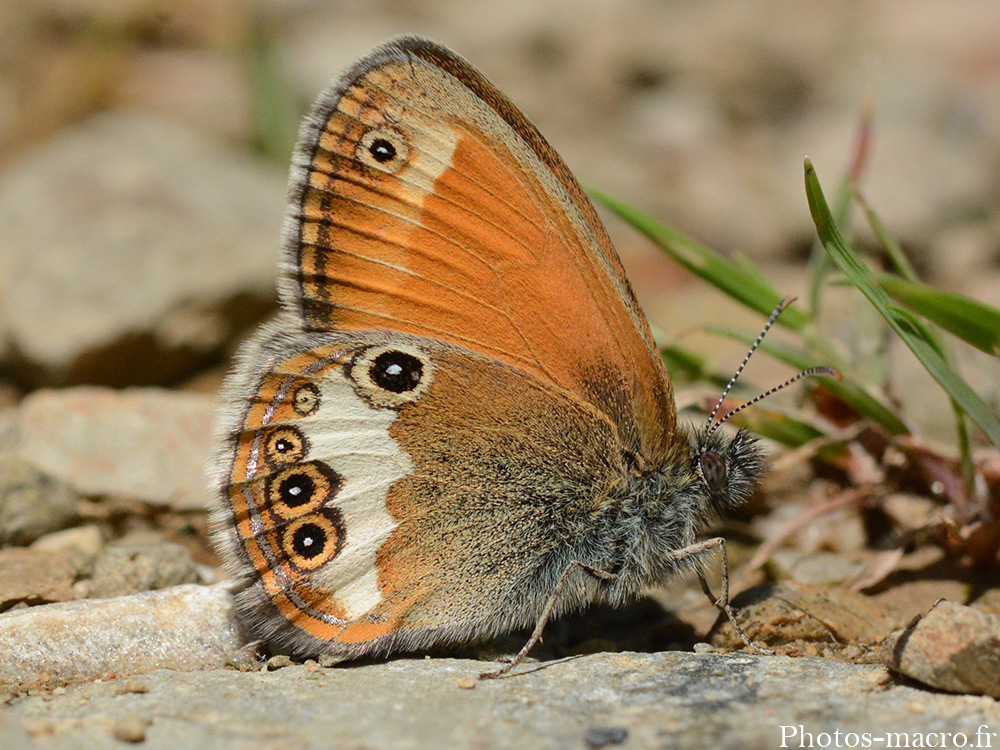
144	443
132	250
32	576
125	569
628	700
32	503
952	647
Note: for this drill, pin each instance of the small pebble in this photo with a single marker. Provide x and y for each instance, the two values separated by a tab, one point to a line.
131	728
598	737
280	661
329	660
131	686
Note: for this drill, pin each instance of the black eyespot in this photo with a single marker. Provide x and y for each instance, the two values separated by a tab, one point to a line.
285	445
382	151
396	371
713	468
309	540
296	490
301	489
314	540
390	376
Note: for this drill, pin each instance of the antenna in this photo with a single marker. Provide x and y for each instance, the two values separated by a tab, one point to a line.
712	425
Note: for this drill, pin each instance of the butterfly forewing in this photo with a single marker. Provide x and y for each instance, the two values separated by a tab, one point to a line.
424	202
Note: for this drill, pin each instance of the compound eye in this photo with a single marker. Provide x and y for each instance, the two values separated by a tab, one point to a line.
713	469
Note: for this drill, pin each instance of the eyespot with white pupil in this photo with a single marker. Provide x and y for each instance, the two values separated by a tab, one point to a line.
384	149
297	490
308	540
314	540
284	445
396	371
302	489
391	376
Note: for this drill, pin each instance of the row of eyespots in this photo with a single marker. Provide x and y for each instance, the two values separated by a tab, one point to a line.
298	493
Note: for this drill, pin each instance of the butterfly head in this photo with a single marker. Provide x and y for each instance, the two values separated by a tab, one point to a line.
728	465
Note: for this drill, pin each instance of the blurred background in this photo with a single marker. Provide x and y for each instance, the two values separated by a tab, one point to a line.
144	146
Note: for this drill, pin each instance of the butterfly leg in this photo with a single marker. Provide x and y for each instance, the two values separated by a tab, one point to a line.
543	618
723	601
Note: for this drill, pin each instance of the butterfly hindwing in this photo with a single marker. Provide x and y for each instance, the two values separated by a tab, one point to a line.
370	505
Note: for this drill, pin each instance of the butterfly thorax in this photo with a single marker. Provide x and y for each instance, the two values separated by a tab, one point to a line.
663	509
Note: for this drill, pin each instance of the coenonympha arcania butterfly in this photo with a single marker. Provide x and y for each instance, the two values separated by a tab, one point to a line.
459	421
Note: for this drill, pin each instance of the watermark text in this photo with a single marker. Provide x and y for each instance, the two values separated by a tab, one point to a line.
796	736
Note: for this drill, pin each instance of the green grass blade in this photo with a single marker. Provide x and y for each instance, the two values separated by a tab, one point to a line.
777	426
847	390
820	266
970	320
273	107
912	335
908	273
686	366
819	262
892	248
749	287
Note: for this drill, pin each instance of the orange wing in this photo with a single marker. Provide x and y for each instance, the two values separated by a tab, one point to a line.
423	201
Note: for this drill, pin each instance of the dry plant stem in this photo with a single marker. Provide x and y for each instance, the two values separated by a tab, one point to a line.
848	497
875	570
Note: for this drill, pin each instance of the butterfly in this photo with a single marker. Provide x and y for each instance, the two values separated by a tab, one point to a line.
459	423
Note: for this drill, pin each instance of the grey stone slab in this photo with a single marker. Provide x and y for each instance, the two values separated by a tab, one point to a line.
668	700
